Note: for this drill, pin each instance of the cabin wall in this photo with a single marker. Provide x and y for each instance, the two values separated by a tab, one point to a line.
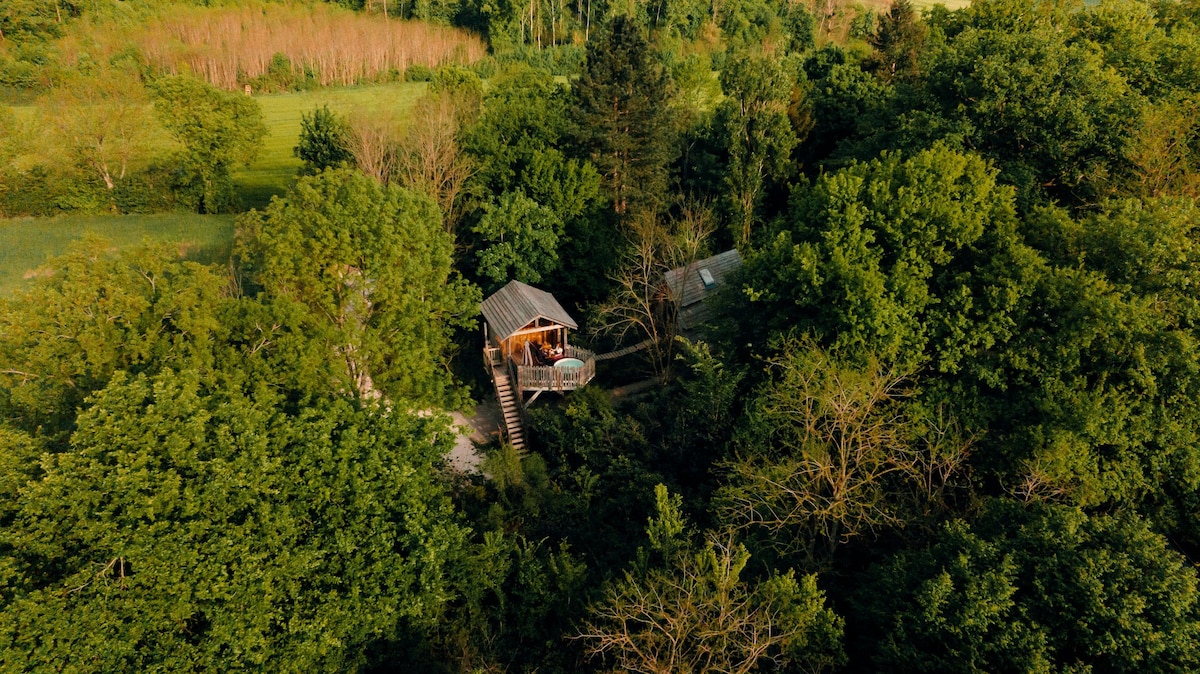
514	346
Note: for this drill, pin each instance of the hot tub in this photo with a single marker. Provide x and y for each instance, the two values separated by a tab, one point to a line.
568	363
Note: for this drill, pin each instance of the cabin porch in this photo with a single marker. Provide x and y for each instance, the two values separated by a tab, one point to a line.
575	368
559	374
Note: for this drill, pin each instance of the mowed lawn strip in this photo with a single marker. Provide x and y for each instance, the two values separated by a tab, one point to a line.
27	243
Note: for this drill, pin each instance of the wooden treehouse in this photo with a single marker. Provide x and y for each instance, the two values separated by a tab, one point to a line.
526	349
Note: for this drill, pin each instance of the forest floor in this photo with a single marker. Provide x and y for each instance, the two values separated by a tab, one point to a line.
27	243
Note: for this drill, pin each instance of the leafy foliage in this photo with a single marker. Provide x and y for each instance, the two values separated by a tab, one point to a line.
533	205
955	377
140	313
524	238
914	260
372	265
324	141
217	129
200	525
182	489
754	123
1035	589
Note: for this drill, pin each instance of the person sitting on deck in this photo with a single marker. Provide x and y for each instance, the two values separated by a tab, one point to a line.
547	355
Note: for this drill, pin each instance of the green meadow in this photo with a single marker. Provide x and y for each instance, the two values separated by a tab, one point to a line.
276	166
27	243
950	4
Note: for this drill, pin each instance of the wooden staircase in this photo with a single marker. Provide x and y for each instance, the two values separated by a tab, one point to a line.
510	407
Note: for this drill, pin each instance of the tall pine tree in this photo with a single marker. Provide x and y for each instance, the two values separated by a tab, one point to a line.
899	41
623	117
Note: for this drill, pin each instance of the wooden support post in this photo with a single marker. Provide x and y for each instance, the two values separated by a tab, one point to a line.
531	399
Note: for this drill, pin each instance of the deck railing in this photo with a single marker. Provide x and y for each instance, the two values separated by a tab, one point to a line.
550	378
492	356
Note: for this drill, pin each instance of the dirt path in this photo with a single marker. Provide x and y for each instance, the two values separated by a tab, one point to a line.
481	427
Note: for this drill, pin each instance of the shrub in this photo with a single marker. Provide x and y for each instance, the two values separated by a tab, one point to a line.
418	73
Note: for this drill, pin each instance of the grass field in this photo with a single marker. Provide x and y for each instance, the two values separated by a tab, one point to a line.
27	243
275	168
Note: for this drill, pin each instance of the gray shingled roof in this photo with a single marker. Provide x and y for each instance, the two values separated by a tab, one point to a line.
685	283
516	305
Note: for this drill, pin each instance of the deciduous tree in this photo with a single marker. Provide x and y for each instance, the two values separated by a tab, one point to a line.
1046	109
196	522
429	158
913	260
521	238
373	141
100	121
1043	588
372	263
324	141
217	129
753	122
63	338
516	146
698	614
641	305
831	452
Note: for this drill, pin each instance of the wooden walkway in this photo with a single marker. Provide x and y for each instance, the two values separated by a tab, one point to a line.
626	351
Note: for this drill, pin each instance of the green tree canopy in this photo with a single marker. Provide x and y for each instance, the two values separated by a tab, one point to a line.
195	523
1094	396
1034	588
522	238
757	132
913	260
372	264
524	112
534	205
622	119
139	312
324	140
899	43
218	130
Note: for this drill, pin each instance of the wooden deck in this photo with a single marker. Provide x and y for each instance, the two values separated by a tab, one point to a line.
550	378
534	378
